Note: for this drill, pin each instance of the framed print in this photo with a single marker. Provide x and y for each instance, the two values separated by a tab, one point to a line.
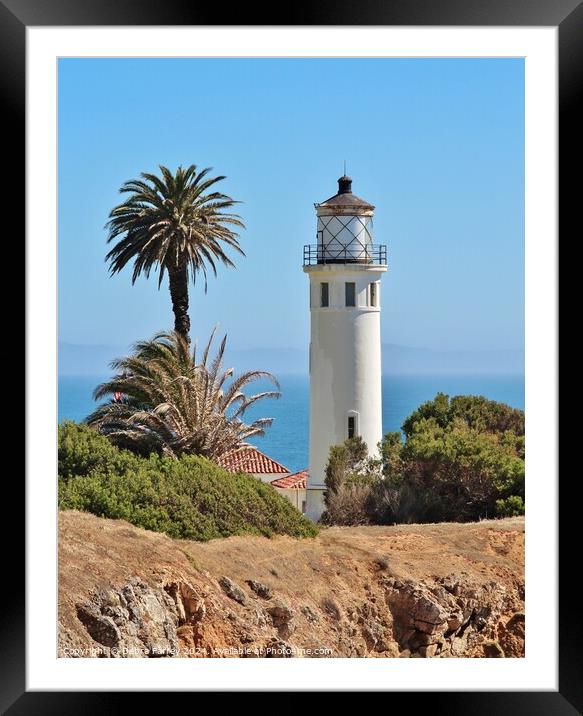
292	292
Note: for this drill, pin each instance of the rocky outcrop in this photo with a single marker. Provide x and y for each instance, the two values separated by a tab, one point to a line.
511	635
282	618
445	618
450	616
128	593
261	590
232	590
134	620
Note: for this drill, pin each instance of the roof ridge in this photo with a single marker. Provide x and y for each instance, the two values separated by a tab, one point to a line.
297	481
248	458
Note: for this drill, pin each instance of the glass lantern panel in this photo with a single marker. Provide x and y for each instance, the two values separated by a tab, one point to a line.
344	237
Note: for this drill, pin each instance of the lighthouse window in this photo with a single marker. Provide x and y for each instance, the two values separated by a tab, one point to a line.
351	426
373	295
324	295
350	294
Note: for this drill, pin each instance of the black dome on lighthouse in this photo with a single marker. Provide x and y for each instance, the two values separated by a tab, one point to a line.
345	198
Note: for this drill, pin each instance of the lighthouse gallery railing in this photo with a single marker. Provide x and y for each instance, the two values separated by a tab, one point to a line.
321	254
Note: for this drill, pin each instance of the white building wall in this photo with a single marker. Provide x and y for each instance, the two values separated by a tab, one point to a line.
268	477
296	496
345	367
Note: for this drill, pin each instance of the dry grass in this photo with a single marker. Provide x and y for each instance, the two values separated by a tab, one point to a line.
337	569
340	556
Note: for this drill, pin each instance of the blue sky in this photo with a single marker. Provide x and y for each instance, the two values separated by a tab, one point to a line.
436	144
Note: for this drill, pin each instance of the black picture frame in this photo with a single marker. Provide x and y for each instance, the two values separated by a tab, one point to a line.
567	15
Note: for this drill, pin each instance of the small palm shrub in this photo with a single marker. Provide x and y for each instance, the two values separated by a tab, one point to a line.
165	399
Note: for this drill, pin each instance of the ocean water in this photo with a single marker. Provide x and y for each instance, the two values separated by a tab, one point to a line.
287	439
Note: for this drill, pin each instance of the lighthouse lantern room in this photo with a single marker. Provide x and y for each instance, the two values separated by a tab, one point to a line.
344	268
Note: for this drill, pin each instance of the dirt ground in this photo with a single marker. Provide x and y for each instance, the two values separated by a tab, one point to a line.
358	591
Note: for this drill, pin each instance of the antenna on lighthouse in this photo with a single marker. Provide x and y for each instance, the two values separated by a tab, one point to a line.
345	167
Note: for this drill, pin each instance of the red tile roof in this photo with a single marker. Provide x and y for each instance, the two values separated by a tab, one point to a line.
249	459
297	481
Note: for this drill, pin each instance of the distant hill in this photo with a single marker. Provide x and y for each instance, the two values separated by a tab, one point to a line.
397	360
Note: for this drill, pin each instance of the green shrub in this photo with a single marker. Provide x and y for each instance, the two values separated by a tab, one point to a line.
461	460
188	498
477	412
512	506
82	450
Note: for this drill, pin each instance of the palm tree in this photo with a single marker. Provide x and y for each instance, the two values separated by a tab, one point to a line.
171	223
164	401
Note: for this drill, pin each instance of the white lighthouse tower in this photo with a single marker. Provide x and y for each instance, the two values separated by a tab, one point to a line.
344	269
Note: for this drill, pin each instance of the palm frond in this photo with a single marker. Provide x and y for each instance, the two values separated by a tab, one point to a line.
172	218
173	404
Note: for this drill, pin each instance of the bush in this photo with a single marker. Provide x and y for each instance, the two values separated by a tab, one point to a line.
82	450
189	497
462	460
459	472
349	476
477	412
512	506
348	504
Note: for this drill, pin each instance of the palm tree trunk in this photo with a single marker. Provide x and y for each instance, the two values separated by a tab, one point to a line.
178	278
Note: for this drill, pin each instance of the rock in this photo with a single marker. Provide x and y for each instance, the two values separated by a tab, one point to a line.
260	618
426	652
414	607
281	613
373	623
233	590
374	636
493	650
511	635
261	590
451	584
282	618
450	617
420	639
516	619
190	605
135	621
429	615
101	628
310	614
454	622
